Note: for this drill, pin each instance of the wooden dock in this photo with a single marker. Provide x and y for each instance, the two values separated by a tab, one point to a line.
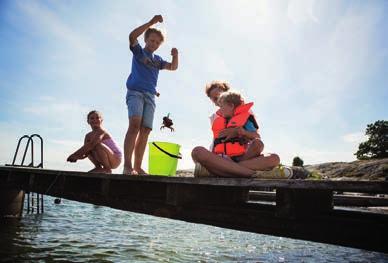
303	209
345	200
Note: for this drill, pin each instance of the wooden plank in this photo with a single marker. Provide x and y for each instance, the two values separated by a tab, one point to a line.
262	196
361	201
349	186
338	200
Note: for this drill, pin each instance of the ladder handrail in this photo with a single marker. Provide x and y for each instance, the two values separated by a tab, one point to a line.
17	148
30	199
29	140
32	151
41	149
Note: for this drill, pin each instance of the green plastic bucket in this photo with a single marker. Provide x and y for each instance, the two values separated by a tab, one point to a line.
163	158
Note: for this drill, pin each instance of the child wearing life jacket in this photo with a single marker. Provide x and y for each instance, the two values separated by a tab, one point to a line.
235	130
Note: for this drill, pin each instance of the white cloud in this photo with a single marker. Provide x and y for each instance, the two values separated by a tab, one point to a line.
46	98
346	55
55	109
63	118
9	134
49	22
66	114
66	143
216	65
300	11
355	137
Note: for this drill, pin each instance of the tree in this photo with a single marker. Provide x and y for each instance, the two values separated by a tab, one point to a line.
297	161
377	144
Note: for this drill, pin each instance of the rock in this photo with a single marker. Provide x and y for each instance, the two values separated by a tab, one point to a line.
376	169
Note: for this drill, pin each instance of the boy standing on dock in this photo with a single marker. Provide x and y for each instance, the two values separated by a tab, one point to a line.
141	91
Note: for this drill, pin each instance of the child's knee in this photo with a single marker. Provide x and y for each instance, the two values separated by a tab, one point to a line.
97	151
145	130
275	159
134	125
198	153
258	145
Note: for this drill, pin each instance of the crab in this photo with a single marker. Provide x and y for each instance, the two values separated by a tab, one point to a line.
167	123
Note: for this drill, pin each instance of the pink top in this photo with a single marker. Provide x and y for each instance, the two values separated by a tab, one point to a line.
113	146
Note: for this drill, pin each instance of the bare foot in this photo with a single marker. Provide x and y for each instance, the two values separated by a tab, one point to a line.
94	169
107	171
134	172
130	171
141	172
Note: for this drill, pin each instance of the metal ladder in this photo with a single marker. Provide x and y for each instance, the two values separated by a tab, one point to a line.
34	200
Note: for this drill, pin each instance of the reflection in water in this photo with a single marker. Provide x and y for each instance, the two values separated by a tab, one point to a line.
73	231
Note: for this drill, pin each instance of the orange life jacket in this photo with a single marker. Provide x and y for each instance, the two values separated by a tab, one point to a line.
235	146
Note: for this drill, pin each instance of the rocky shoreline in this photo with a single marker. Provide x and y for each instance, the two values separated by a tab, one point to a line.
376	169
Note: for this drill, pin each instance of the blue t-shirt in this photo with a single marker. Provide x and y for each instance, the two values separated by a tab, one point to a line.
249	126
145	70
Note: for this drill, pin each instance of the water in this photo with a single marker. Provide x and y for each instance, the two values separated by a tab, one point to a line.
78	232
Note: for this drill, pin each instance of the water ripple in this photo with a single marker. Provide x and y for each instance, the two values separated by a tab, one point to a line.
80	232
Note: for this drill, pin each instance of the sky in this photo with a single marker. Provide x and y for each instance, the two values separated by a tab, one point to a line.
317	72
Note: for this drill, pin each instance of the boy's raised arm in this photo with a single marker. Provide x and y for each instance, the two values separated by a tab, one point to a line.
140	30
174	63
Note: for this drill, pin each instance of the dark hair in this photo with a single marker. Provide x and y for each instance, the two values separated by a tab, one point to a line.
151	30
222	85
92	112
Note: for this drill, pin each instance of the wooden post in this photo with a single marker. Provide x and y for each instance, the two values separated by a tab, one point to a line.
295	203
11	203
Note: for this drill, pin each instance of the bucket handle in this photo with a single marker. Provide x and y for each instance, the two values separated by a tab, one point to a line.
179	156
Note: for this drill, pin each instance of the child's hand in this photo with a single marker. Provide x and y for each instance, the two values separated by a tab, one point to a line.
228	133
174	52
72	158
156	19
241	132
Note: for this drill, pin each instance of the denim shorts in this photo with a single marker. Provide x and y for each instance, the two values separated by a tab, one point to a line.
141	104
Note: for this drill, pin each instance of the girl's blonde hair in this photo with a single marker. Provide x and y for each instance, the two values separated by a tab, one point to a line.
231	97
